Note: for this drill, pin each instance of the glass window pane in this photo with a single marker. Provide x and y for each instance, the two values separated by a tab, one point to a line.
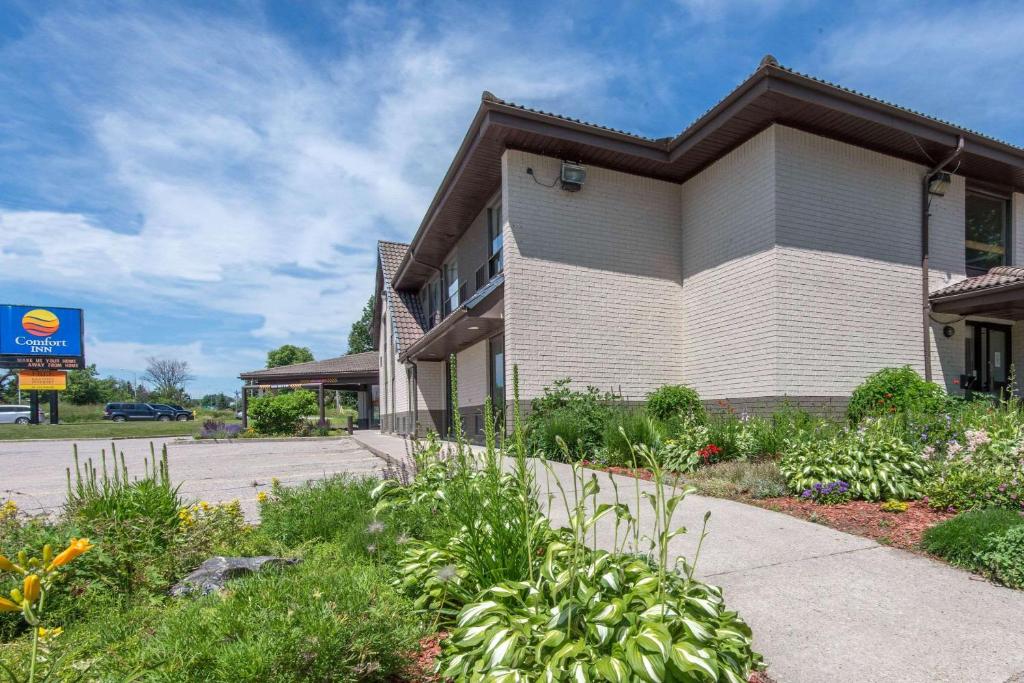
985	232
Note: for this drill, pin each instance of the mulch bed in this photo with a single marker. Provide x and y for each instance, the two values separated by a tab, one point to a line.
899	529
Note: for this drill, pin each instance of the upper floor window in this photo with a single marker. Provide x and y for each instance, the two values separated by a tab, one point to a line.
430	302
495	262
987	233
451	288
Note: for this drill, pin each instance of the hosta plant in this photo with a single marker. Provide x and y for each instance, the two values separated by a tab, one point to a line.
595	614
873	460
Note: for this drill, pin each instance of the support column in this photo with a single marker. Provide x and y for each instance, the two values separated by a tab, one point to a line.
33	402
245	407
54	409
320	404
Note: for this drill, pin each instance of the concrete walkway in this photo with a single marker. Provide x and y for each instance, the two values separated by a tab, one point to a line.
828	607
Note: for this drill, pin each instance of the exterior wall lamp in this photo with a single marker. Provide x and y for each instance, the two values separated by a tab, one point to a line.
938	183
573	176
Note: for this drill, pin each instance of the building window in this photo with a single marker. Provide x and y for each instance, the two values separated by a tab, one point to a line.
495	263
987	233
451	288
497	378
430	301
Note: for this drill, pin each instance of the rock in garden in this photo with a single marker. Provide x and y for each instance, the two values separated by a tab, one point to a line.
214	573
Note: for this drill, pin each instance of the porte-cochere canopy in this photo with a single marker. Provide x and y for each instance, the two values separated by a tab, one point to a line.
354	372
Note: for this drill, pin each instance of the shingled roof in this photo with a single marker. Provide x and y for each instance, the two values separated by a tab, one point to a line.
406	316
350	364
1000	276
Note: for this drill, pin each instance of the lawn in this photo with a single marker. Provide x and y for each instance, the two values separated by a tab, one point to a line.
105	430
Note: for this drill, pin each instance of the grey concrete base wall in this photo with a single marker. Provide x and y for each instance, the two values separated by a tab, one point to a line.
833	407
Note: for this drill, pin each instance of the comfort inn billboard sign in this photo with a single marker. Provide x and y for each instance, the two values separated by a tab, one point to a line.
41	338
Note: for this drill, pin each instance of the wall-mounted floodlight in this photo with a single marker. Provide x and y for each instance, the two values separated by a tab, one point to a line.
939	183
573	176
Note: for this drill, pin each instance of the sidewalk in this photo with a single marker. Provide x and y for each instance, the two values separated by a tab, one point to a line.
829	607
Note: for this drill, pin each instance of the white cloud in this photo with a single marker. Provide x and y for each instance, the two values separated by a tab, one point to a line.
240	154
960	62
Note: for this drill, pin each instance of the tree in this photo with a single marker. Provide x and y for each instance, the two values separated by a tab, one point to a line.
289	355
359	337
168	377
8	386
85	387
216	401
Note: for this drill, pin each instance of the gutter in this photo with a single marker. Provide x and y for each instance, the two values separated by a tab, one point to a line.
926	305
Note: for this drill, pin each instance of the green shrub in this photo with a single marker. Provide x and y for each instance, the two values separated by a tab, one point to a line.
894	391
961	539
562	411
1005	557
874	461
281	413
675	401
627	427
565	425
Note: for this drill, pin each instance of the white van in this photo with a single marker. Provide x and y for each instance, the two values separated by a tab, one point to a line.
21	415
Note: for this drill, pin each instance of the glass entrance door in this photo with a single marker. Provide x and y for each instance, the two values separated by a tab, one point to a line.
988	357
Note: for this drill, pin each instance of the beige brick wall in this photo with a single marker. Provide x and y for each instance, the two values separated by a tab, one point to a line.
472	374
592	285
394	399
729	270
848	229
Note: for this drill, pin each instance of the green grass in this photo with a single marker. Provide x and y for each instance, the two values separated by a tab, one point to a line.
106	430
959	540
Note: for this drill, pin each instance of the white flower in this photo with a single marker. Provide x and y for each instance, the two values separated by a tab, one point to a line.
446	573
953	448
977	437
928	453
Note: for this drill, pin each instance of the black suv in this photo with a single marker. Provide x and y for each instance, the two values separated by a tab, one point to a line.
124	412
180	414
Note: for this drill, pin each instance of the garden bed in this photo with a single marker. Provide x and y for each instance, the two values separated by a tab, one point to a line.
863	518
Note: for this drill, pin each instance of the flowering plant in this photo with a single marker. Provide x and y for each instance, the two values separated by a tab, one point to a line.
828	493
38	575
709	452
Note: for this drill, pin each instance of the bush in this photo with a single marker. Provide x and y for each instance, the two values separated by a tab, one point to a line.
627	427
828	493
675	401
281	413
579	417
874	461
738	479
1005	557
894	391
960	539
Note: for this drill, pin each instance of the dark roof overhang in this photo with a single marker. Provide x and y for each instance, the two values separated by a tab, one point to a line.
772	94
1005	302
480	317
349	371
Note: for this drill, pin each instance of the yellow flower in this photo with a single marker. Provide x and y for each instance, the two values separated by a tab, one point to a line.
8	606
46	634
262	497
7	566
31	588
77	547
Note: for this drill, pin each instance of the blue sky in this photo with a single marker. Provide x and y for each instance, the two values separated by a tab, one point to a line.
210	182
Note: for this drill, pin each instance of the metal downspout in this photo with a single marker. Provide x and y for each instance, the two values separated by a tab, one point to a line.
926	306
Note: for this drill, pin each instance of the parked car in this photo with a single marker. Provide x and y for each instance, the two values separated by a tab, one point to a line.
124	412
180	414
14	414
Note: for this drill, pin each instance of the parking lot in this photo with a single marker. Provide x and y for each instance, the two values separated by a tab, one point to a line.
33	474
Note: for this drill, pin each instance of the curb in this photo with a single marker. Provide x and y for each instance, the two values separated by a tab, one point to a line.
386	457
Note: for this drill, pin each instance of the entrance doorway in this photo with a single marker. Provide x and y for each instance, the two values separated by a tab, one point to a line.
988	357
